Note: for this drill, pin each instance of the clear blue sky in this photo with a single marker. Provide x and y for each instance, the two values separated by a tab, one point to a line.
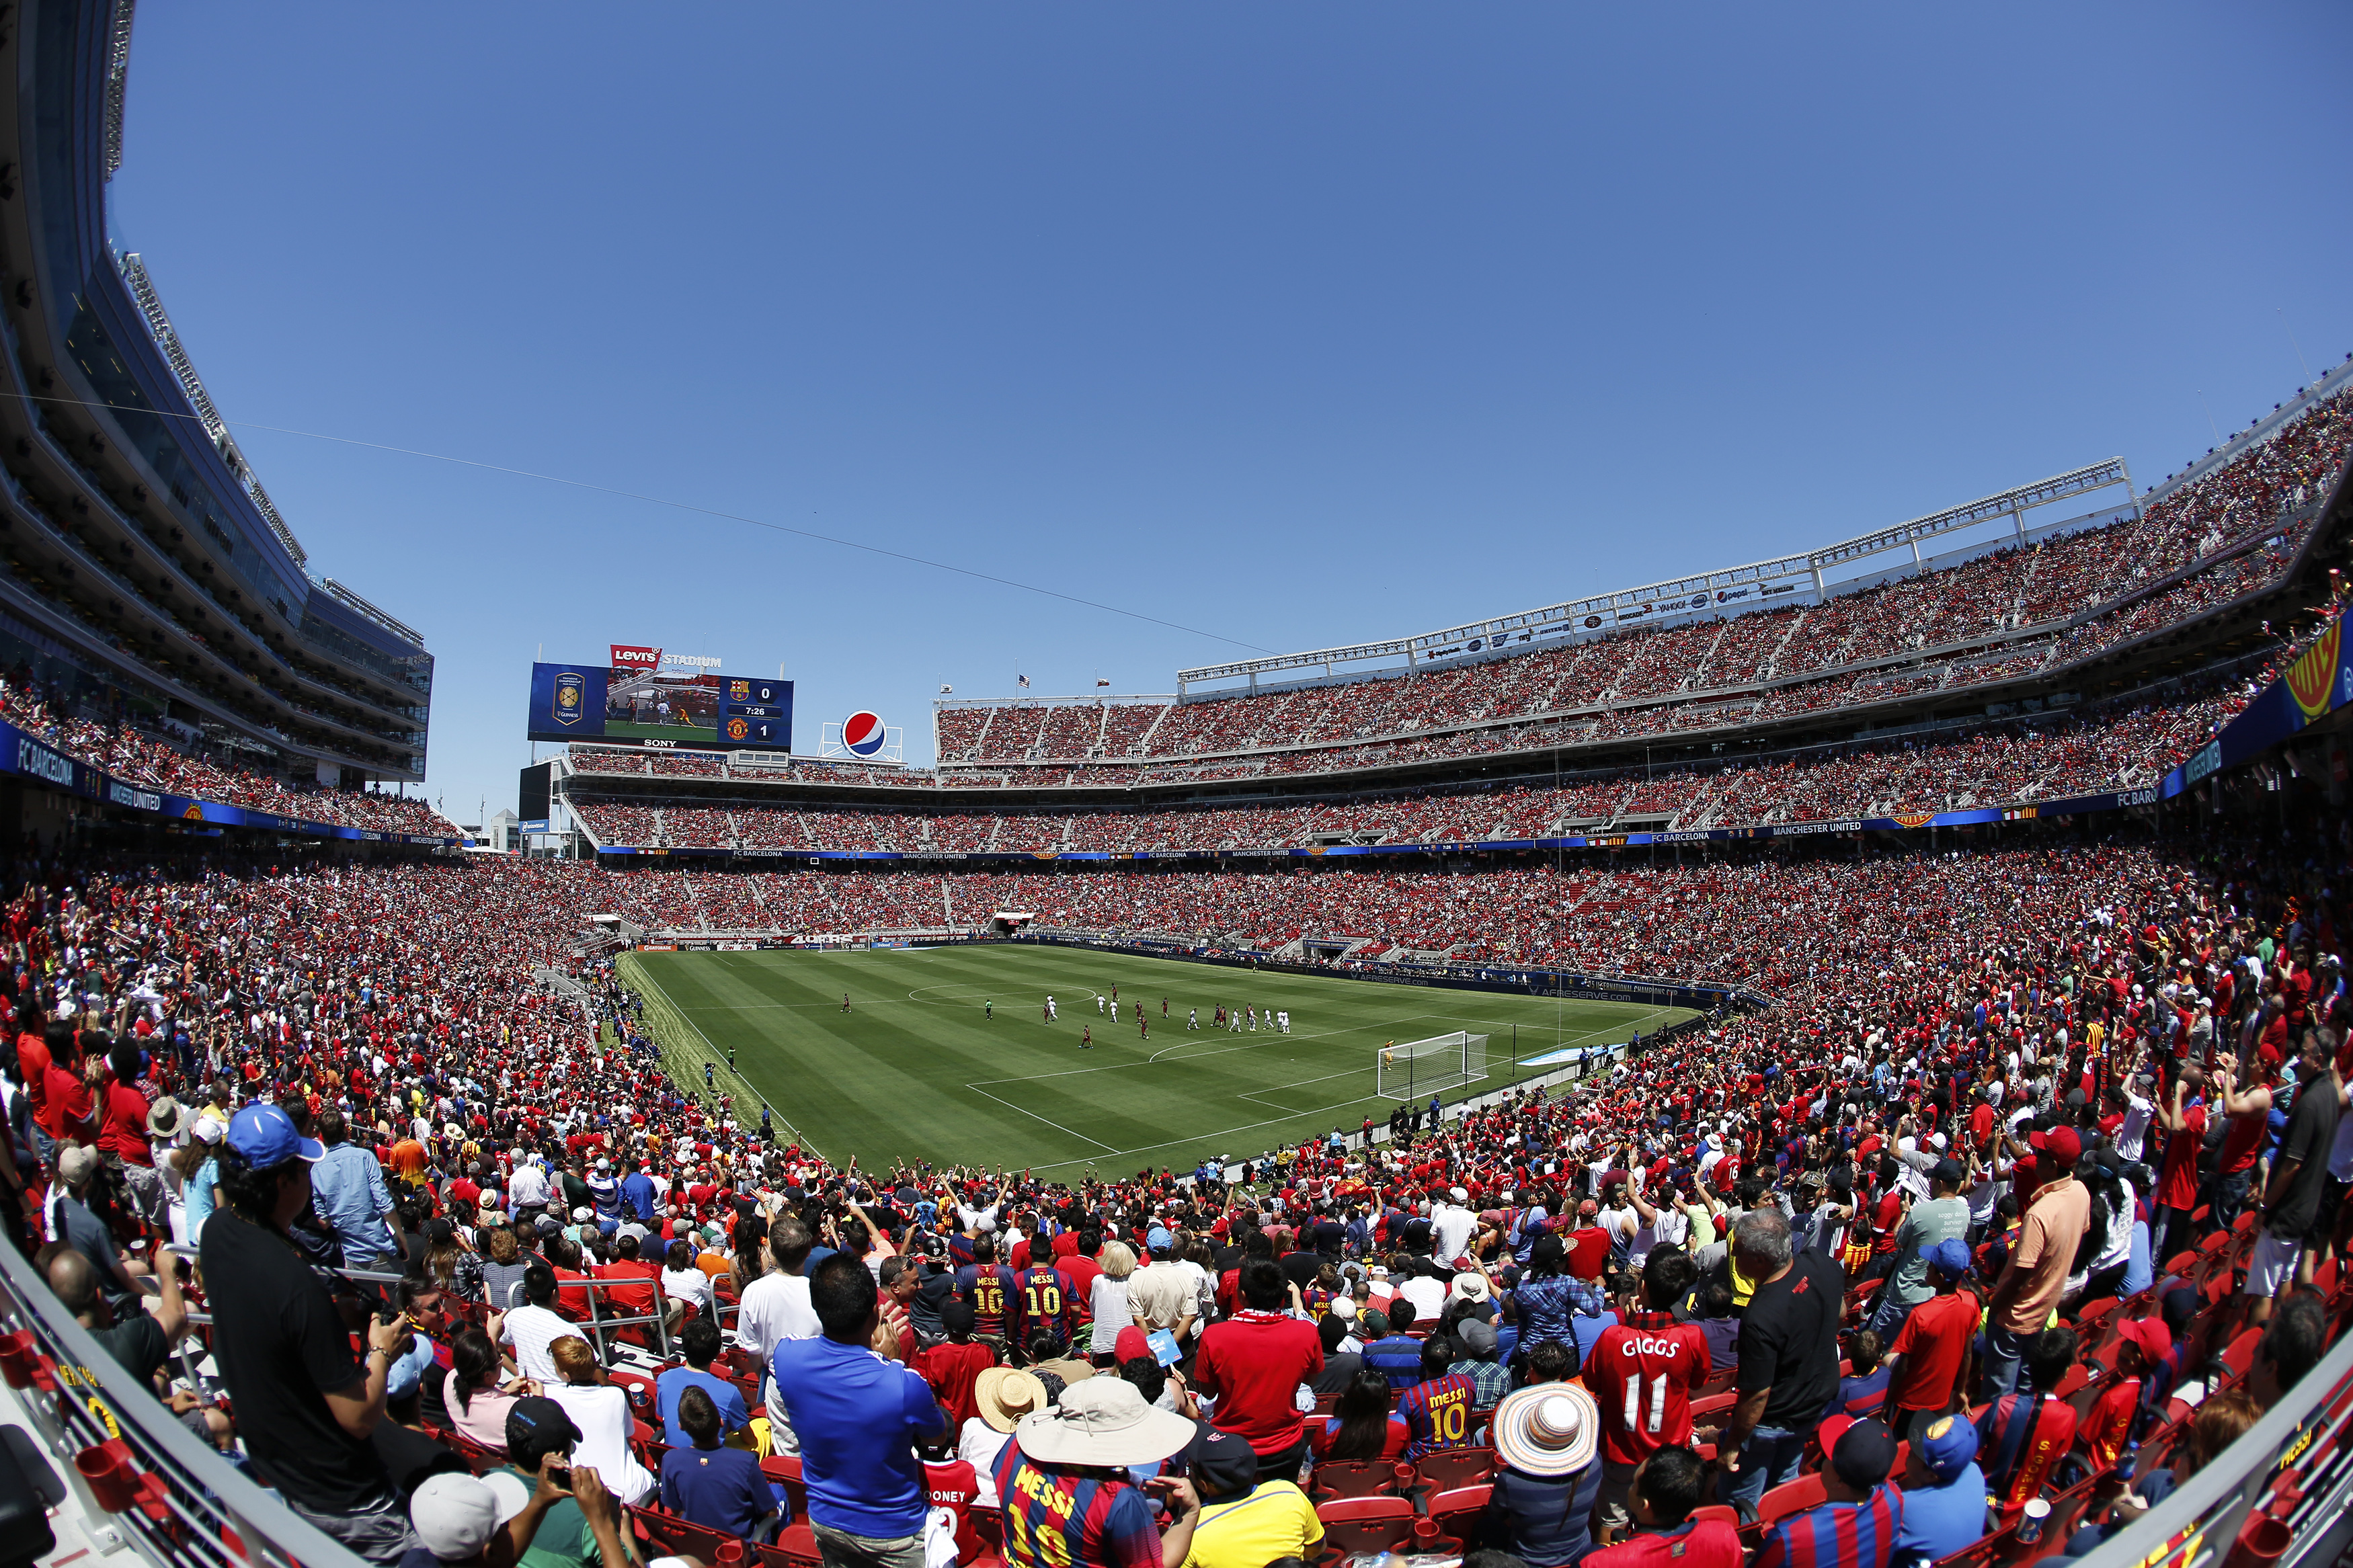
1296	324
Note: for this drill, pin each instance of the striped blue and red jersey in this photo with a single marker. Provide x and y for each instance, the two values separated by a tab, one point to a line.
1437	1413
1058	1520
1835	1535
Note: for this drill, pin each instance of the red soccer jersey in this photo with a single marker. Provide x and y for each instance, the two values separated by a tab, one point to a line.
1641	1373
1694	1544
2177	1187
1932	1342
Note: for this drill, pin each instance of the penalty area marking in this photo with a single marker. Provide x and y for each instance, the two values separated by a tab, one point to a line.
1251	1126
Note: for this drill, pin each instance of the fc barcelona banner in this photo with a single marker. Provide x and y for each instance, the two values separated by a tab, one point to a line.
2317	684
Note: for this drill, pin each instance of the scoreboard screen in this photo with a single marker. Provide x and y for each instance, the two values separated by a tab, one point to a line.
660	710
757	713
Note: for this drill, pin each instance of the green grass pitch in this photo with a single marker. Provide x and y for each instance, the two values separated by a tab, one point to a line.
917	1070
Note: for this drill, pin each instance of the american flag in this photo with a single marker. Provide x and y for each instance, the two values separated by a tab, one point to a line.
1022	680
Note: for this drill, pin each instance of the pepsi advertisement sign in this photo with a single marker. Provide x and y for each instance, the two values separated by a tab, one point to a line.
862	734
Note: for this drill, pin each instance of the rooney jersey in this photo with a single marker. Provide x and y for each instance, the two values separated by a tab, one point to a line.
1641	1373
1043	1305
987	1289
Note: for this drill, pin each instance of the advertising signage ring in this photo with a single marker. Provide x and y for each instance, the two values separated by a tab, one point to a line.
647	704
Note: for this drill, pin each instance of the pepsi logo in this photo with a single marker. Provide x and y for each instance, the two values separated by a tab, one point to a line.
861	734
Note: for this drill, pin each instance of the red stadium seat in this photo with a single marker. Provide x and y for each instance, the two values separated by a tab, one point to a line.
1355	1525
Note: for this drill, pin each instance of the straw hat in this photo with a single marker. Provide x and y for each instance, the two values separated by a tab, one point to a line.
1104	1421
1004	1395
165	1118
1550	1429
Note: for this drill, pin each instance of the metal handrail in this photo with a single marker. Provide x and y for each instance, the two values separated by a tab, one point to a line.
2209	1508
81	1397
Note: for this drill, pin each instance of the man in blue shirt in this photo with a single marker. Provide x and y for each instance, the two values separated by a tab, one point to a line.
1944	1492
637	1194
348	1190
1395	1355
700	1341
858	1415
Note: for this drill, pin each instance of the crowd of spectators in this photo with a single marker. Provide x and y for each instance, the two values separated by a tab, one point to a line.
2198	545
162	762
2119	747
2035	1162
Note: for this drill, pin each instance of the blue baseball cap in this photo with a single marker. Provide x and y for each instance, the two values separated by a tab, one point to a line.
265	1137
1951	1259
1948	1444
1159	1240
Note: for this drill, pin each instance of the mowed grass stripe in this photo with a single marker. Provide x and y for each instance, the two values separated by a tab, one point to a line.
917	1070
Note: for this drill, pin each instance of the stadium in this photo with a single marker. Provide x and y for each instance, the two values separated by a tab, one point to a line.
1937	923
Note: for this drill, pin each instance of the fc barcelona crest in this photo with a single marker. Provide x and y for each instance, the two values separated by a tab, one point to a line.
739	691
571	694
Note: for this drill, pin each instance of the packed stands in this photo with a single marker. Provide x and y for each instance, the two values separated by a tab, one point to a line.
155	760
2056	757
1923	1009
2198	545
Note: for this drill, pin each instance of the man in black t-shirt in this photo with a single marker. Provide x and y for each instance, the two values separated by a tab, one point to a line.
2294	1225
306	1408
1788	1357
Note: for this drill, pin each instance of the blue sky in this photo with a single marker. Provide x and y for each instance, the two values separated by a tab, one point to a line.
1296	325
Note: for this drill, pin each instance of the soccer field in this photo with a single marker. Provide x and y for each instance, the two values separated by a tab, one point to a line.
918	1069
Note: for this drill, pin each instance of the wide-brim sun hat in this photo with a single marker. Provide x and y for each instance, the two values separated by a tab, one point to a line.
1550	1429
1102	1421
1004	1395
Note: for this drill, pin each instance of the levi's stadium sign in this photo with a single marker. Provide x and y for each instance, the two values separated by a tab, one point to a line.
628	657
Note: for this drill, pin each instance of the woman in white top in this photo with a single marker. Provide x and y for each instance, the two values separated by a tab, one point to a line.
605	1422
1003	1395
1109	1300
685	1286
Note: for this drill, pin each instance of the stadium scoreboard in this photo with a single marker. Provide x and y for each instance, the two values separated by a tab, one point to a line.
646	703
755	712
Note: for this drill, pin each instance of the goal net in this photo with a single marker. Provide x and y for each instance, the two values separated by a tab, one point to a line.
1413	1069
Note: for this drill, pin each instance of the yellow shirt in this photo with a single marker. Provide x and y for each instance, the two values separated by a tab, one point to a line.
1275	1520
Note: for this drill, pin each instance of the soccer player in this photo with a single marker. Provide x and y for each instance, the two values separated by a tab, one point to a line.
1282	1020
987	1288
1163	1006
989	1009
1253	1020
845	1001
1114	995
1641	1371
1143	1025
1192	1018
1099	1004
1086	1036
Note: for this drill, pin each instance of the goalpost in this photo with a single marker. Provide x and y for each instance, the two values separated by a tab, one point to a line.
1416	1067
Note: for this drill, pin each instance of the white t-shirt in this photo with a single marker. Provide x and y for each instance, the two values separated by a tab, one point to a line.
689	1284
531	1330
602	1413
2135	1127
